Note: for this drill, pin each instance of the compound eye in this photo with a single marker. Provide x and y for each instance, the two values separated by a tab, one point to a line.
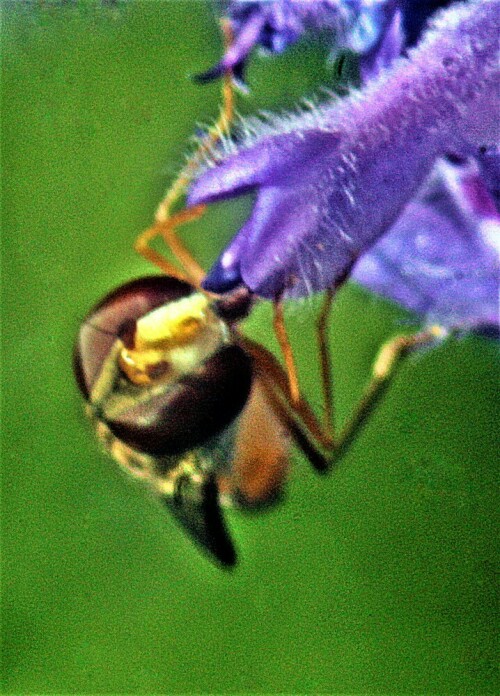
191	410
115	317
178	398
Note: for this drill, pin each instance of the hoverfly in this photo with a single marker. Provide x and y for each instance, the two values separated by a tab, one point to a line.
184	401
181	399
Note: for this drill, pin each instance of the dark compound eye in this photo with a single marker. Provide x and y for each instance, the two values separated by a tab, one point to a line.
190	411
116	316
180	415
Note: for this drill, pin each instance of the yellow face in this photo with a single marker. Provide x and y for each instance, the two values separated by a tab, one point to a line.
173	340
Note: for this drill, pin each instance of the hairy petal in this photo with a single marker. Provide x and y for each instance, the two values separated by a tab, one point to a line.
331	181
278	160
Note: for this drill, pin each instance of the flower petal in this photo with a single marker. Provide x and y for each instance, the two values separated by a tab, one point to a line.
442	257
276	24
276	160
366	27
330	182
246	38
489	163
386	50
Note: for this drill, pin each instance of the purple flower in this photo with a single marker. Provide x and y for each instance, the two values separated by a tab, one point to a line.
357	25
331	181
375	29
441	257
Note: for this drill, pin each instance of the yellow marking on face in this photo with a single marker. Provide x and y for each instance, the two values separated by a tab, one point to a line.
138	364
172	340
176	323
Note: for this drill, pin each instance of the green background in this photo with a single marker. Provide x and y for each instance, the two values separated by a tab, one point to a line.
377	579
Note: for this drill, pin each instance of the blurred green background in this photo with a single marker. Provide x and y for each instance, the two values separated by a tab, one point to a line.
377	579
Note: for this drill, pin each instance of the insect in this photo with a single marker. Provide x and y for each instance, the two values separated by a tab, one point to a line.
176	400
184	401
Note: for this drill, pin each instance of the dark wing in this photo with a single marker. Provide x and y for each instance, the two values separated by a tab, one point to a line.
196	507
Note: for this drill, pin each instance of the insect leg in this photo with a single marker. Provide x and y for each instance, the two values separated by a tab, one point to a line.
384	369
322	326
167	229
297	417
325	358
286	350
316	441
166	223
